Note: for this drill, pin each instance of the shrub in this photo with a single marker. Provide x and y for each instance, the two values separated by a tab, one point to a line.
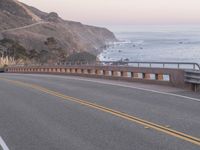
82	57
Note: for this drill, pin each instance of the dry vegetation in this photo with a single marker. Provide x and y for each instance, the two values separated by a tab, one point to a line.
4	61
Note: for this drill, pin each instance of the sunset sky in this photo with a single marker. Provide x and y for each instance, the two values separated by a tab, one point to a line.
124	12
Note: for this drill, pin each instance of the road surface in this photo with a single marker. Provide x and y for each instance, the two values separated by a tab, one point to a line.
24	27
47	112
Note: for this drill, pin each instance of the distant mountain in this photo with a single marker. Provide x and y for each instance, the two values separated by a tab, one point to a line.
40	32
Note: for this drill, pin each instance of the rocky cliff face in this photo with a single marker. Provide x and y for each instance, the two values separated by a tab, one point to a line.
12	15
31	28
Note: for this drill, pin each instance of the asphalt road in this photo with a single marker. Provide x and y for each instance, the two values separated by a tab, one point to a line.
24	27
45	112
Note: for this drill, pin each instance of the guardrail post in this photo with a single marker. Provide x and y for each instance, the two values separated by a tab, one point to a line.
108	73
73	70
135	75
124	73
54	69
85	71
160	77
68	70
116	73
100	72
93	71
147	76
63	70
79	71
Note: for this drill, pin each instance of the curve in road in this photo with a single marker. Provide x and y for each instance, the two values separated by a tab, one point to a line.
103	103
24	27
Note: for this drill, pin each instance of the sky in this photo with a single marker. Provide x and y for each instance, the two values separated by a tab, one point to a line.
124	12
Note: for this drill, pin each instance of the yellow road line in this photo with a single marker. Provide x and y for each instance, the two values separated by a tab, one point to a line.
131	118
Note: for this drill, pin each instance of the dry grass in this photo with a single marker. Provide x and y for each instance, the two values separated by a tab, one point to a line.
9	61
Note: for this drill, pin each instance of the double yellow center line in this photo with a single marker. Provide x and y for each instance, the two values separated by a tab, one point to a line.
131	118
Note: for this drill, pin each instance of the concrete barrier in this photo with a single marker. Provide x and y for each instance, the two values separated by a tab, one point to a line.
164	76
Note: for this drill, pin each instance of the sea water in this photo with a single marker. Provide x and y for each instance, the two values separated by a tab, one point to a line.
154	43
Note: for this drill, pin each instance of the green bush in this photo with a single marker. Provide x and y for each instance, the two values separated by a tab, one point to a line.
82	57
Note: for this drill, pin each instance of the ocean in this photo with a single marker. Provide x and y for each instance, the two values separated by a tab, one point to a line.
154	43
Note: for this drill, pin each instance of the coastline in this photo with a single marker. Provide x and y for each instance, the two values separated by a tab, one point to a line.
171	45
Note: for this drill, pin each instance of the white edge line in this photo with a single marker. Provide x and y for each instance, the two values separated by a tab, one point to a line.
120	85
142	89
3	144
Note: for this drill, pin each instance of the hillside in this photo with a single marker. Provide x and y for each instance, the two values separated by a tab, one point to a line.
31	29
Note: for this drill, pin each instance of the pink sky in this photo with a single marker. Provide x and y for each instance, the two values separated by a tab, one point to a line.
123	12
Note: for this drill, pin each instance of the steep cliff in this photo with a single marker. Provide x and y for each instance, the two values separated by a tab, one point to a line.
31	28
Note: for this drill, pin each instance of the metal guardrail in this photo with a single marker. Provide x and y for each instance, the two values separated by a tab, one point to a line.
193	77
176	65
